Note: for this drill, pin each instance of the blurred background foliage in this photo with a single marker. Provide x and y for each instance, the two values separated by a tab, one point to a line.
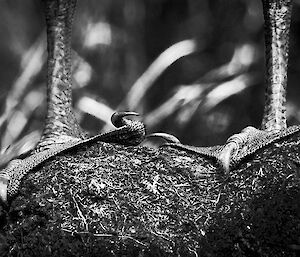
191	68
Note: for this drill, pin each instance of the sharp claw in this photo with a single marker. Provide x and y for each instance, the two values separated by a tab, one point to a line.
233	145
3	188
227	155
117	117
168	137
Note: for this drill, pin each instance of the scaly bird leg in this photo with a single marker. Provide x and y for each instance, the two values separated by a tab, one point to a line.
62	131
237	147
277	15
128	132
61	124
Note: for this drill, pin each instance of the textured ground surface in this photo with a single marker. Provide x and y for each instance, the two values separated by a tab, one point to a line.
108	200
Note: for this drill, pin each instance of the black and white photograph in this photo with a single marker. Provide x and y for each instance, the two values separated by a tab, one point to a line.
150	128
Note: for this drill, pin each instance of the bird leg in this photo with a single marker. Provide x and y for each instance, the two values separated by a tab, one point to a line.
128	132
277	15
62	131
61	124
236	148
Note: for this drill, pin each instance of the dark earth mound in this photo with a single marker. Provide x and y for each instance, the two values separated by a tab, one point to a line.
109	200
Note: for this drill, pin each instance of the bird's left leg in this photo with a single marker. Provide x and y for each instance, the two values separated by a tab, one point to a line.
277	15
236	148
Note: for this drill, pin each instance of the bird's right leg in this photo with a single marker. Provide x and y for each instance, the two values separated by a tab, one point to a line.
61	125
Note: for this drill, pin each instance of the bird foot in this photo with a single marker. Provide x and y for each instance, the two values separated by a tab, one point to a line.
127	132
236	148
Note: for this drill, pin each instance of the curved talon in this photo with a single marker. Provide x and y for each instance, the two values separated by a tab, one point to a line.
4	180
117	119
128	132
165	136
232	146
227	154
6	175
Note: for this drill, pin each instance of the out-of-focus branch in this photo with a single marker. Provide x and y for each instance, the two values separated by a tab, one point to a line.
31	64
26	144
163	61
224	81
97	109
243	57
20	117
190	97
